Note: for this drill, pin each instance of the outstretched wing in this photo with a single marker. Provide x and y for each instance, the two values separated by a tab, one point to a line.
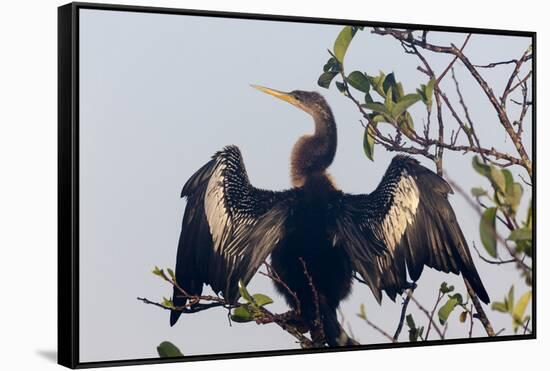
409	214
228	230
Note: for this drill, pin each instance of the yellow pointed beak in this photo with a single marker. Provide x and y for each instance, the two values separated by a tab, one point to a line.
287	97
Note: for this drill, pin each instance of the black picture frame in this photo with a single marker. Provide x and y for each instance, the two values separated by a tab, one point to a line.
68	181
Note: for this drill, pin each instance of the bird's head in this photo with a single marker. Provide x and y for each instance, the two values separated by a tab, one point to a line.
308	101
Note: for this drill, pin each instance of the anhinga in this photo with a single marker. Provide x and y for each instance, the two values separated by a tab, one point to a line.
230	227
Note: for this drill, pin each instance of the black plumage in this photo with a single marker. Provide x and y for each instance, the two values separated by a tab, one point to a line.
230	227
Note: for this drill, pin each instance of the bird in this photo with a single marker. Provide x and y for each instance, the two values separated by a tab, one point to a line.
316	234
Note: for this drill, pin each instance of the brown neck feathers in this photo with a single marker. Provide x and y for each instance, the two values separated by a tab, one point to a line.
313	154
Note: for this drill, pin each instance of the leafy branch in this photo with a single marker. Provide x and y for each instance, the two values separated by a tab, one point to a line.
392	103
251	308
383	105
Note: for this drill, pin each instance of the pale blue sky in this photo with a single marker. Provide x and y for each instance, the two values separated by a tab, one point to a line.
159	94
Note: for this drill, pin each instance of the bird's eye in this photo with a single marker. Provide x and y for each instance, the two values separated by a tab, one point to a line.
297	98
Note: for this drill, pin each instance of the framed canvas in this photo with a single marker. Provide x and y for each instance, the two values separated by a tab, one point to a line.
238	185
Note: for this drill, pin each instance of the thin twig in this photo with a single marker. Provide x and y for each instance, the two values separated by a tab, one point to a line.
500	331
526	326
429	316
188	309
494	64
271	273
319	328
471	132
403	313
439	297
486	260
374	326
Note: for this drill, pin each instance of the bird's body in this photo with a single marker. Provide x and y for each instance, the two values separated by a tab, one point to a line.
306	260
317	235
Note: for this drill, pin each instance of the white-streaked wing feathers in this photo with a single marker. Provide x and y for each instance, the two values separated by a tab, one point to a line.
229	227
410	215
401	212
217	214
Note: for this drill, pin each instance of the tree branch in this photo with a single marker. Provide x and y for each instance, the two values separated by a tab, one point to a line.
403	312
430	318
432	313
405	37
479	309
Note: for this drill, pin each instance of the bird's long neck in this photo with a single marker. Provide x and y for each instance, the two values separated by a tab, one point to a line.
313	154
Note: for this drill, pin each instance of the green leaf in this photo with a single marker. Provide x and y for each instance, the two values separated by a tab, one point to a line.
444	312
359	81
523	237
446	289
406	121
342	42
388	102
410	321
377	107
478	192
508	177
502	182
458	298
241	314
167	349
171	273
368	141
499	307
261	299
498	179
487	231
422	93
525	247
368	98
414	332
513	196
399	91
510	300
244	293
362	313
480	167
529	221
521	234
403	104
378	118
325	79
158	272
521	305
340	86
167	303
332	65
377	83
389	82
429	92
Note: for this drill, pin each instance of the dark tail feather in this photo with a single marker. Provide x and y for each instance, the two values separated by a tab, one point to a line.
334	333
178	301
192	287
475	281
174	315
